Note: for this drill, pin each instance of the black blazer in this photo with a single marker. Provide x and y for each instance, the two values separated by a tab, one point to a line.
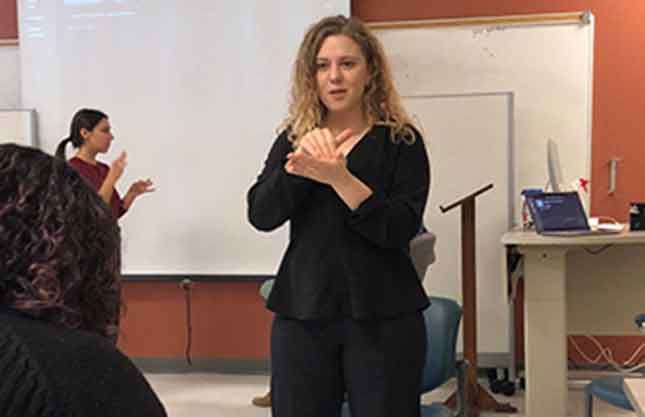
340	262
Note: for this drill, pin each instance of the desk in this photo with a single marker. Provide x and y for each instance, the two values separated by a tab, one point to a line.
545	326
635	390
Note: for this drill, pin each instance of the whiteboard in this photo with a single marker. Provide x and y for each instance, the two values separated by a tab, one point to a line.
10	77
195	91
464	131
548	67
18	126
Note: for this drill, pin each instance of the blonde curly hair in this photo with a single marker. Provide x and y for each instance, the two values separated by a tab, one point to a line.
381	102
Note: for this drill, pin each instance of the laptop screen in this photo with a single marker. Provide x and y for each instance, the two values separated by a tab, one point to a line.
557	211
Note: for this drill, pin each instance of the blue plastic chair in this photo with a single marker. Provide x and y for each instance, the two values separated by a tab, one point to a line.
609	388
442	326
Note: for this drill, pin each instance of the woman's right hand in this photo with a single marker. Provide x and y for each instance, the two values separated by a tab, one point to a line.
116	170
118	166
320	143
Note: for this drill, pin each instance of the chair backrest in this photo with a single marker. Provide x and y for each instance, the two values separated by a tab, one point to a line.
442	319
422	252
266	287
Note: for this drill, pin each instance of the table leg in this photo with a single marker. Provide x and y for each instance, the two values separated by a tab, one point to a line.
545	331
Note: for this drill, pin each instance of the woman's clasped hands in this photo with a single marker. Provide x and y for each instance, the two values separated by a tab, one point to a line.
319	156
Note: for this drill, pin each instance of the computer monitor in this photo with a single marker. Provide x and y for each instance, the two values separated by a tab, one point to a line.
553	167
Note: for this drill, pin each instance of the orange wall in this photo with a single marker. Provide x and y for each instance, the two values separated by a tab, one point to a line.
8	19
619	69
228	320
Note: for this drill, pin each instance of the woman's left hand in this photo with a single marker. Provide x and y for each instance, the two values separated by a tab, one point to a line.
136	189
326	170
141	187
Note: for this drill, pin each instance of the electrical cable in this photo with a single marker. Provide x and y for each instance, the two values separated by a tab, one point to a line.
187	285
600	250
607	354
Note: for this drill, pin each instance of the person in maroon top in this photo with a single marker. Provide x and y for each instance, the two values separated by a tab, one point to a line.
90	132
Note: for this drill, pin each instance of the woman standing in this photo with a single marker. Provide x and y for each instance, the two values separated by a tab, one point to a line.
351	175
90	132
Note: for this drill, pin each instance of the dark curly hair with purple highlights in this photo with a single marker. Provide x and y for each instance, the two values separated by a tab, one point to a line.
59	244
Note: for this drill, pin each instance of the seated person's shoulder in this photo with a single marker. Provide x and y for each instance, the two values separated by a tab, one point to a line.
86	372
24	390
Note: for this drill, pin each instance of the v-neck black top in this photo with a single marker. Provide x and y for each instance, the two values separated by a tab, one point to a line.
339	262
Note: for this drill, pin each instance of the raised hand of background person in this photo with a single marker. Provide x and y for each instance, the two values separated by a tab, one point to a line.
141	187
117	167
116	170
136	189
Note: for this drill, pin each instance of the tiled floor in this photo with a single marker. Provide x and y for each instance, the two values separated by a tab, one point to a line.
218	395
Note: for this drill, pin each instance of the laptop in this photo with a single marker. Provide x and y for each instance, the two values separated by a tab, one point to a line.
561	214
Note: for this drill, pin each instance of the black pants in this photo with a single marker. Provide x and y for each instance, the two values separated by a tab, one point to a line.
378	363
